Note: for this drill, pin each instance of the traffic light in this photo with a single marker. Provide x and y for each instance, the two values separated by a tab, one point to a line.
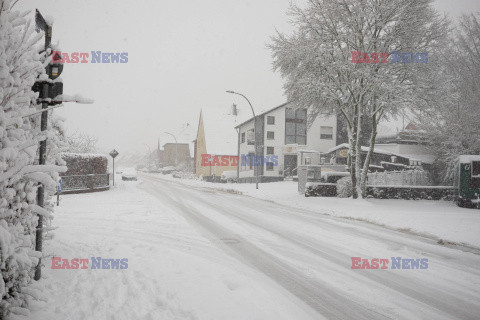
54	89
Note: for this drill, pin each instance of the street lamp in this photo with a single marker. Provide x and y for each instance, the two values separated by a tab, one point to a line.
176	148
255	167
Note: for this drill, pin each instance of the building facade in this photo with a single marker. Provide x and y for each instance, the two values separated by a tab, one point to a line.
282	132
212	164
176	154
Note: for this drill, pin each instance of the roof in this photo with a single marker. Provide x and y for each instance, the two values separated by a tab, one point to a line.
468	158
180	144
425	158
363	148
261	114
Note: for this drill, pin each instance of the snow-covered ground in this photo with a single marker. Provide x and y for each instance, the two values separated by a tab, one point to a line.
199	253
434	219
173	271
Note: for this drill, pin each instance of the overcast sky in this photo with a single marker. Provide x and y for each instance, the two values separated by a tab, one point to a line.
182	56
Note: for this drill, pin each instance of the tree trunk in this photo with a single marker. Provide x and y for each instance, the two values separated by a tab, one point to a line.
363	183
352	152
358	149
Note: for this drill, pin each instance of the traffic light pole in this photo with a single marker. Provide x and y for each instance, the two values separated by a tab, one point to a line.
41	161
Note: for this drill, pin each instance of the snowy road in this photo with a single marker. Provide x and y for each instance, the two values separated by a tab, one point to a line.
309	255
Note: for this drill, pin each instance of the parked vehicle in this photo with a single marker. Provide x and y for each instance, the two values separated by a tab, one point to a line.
177	174
129	174
467	181
229	176
168	170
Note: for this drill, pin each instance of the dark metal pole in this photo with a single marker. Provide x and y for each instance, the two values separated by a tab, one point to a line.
113	173
255	167
41	161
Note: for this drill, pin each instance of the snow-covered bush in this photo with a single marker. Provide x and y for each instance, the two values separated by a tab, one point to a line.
20	65
344	188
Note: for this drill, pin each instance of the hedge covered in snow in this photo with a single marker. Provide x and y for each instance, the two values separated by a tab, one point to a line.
20	65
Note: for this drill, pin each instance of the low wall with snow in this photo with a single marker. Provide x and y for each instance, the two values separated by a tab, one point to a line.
86	173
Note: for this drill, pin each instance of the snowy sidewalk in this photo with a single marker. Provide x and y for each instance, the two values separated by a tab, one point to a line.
434	219
173	271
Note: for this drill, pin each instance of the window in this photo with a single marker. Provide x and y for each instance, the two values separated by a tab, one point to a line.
270	135
270	150
269	166
295	126
270	120
475	169
326	133
243	137
251	158
251	137
308	161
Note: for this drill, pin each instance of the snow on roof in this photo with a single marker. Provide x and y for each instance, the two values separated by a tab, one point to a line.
425	158
468	158
363	148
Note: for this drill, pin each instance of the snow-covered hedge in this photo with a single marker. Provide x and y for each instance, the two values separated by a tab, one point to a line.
20	65
86	171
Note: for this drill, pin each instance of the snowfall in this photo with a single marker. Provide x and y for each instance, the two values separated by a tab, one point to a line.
199	250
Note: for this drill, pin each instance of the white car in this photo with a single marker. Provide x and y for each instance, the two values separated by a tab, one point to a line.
129	174
229	176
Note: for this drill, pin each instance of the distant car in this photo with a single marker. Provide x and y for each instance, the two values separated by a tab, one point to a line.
168	170
177	174
129	174
229	176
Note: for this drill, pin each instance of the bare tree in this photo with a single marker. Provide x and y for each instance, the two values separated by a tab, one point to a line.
316	63
452	123
81	143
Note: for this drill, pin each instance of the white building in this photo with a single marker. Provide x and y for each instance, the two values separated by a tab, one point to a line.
282	132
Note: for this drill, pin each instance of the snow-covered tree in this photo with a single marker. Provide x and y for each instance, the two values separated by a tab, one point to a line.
316	62
20	65
452	123
81	143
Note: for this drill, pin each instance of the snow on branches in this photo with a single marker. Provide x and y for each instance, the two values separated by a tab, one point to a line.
315	62
20	65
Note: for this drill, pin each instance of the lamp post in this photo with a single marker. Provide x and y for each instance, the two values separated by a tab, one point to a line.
176	148
255	167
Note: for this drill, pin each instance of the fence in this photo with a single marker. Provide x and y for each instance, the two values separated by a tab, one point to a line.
85	183
399	178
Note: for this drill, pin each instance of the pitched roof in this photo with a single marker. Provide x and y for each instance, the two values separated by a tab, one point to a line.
261	114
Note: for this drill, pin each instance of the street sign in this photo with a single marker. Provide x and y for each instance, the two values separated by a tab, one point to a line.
59	187
113	154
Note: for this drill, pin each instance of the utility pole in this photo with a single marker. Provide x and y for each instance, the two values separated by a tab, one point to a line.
53	72
255	167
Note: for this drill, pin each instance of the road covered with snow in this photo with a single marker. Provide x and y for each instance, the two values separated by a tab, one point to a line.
197	253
